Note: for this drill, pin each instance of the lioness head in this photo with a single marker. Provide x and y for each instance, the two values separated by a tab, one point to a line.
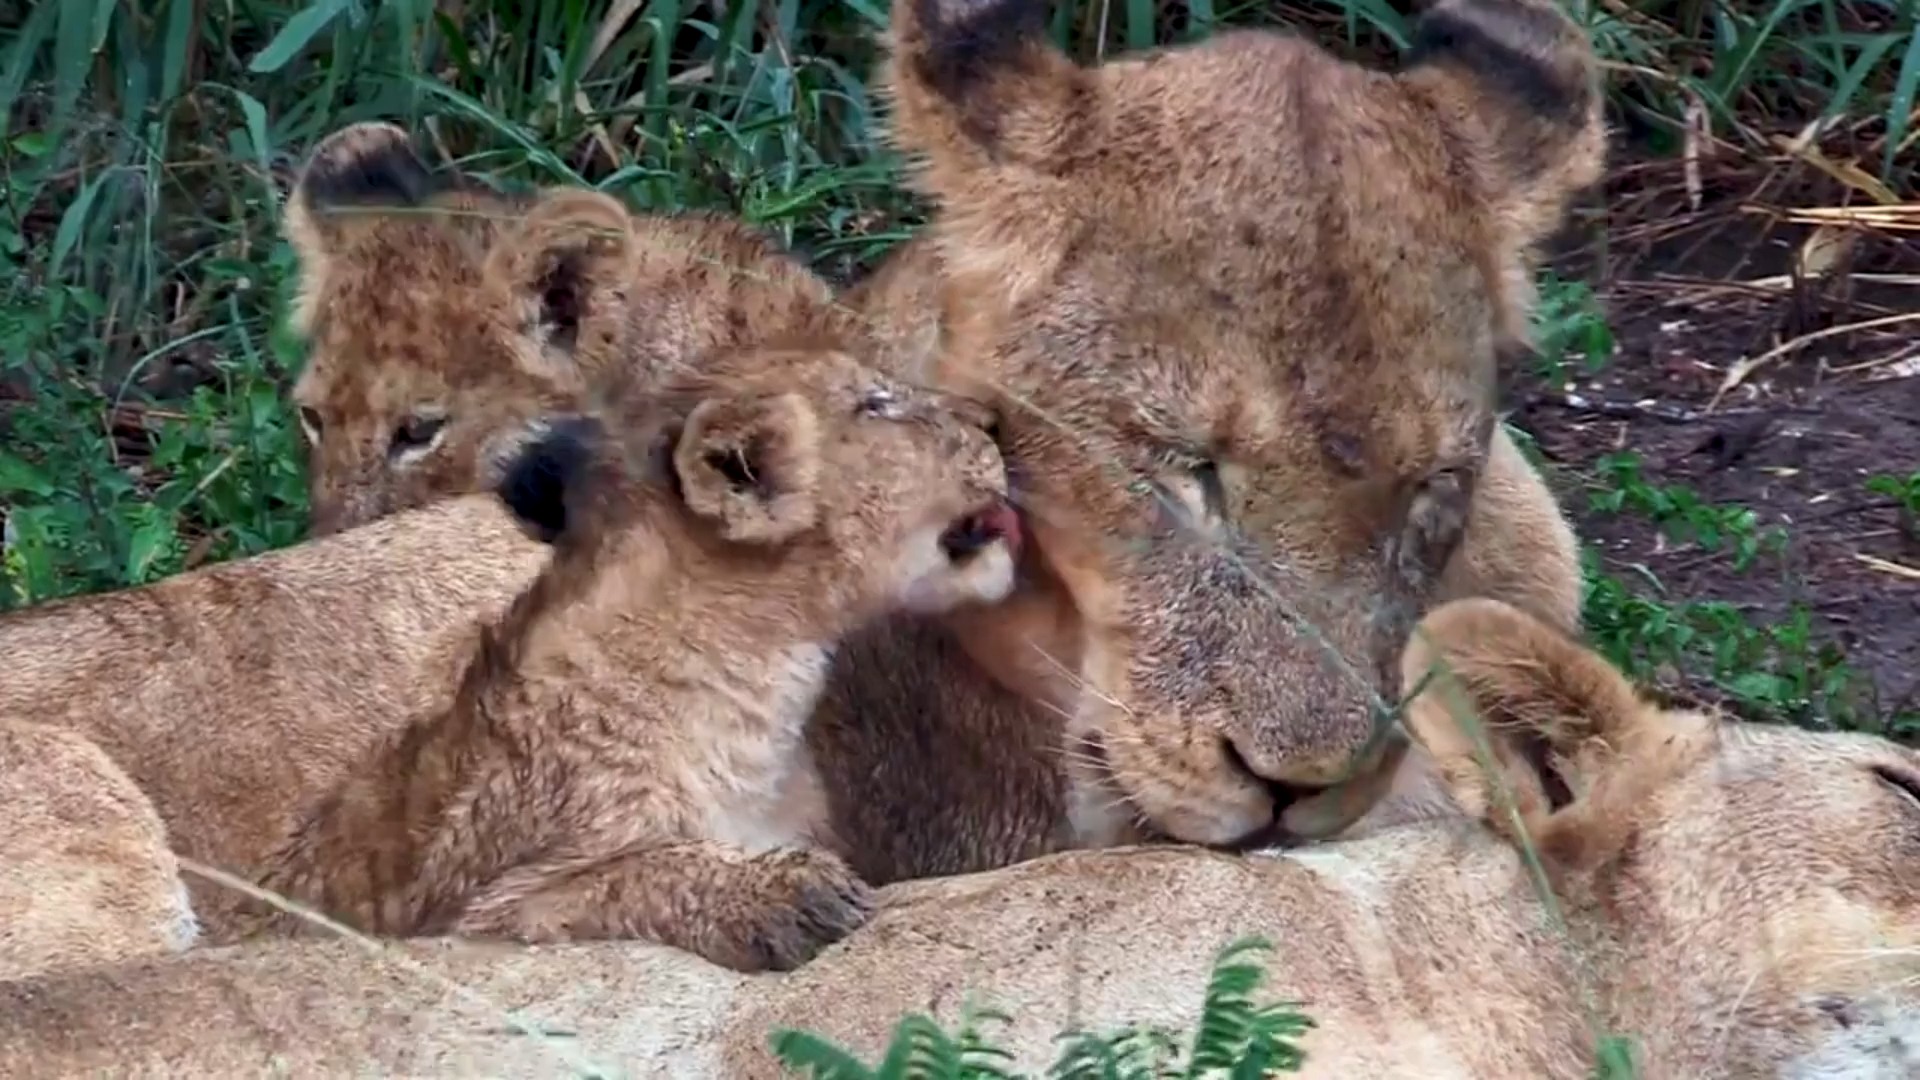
441	315
802	466
1239	305
1756	889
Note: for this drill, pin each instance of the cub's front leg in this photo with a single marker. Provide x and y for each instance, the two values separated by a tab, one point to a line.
751	912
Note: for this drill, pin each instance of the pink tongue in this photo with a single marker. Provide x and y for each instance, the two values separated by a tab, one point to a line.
1001	520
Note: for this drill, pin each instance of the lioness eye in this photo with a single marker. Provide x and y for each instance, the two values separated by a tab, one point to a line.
416	432
310	419
1207	474
1195	488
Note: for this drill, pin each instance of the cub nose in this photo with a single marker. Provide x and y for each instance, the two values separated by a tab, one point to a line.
971	534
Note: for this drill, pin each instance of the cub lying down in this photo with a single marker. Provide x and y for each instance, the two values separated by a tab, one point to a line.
624	756
86	877
1738	901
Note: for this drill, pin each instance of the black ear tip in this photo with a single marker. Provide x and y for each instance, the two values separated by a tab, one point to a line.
545	473
967	38
366	165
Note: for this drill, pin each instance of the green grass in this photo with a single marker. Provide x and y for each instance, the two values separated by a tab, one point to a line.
1234	1037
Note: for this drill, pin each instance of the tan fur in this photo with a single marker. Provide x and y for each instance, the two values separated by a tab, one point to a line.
1518	546
235	693
624	757
86	877
1239	305
440	315
1738	901
1130	255
919	686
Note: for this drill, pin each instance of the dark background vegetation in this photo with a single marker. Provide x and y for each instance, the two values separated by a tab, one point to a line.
1729	402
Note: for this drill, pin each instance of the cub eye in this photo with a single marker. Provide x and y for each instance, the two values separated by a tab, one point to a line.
1900	780
416	433
310	419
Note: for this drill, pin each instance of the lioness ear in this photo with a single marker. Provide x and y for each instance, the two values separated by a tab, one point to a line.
359	167
751	465
1510	702
565	270
991	115
544	475
1518	82
975	81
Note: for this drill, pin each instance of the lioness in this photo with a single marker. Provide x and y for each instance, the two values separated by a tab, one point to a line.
1239	305
624	755
1733	900
86	877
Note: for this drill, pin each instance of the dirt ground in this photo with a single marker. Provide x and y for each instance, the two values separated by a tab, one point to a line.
1688	296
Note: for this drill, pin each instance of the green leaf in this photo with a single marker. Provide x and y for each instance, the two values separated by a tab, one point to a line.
173	62
67	236
1758	686
1900	108
102	22
256	117
822	1059
32	144
295	35
149	541
26	47
17	475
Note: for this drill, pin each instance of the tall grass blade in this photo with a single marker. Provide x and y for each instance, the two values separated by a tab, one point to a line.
1900	106
295	35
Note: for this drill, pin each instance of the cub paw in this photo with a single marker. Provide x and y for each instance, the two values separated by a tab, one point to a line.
811	899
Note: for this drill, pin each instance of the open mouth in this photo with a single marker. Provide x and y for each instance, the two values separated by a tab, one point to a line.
977	531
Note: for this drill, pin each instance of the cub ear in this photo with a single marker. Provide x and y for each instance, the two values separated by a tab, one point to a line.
359	167
751	465
1537	734
1519	82
565	270
544	476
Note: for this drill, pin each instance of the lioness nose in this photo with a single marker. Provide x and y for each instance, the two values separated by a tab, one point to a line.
1286	781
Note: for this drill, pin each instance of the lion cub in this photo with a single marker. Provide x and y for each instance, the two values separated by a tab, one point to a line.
623	757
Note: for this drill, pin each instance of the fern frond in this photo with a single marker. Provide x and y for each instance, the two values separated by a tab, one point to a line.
822	1060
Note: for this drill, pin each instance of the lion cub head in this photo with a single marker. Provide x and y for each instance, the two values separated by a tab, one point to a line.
1239	304
441	316
798	470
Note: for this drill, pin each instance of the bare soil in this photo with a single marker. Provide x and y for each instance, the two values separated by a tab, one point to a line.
1689	295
